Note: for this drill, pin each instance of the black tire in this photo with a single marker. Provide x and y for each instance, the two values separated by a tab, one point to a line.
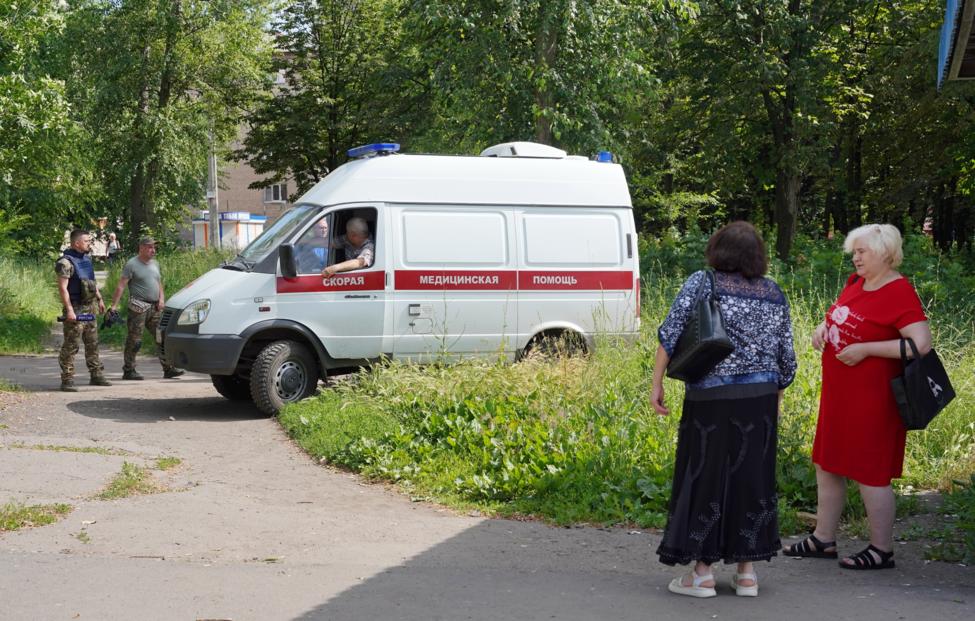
555	346
284	372
232	387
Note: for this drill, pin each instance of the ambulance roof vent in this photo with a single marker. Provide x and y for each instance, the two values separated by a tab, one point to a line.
523	149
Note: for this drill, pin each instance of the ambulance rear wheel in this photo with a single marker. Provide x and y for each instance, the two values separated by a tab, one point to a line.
232	387
284	372
552	346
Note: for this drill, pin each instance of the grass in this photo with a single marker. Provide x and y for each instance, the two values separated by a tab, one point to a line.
97	450
575	441
15	516
28	305
29	302
8	386
131	481
167	463
178	270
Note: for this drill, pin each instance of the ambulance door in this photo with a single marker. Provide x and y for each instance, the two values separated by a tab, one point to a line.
455	283
347	310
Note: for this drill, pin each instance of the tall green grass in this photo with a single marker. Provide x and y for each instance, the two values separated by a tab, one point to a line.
28	304
576	441
178	270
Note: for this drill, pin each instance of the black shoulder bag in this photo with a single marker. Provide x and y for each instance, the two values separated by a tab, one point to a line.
923	389
704	342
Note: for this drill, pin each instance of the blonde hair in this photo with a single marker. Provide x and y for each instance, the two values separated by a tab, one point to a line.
884	239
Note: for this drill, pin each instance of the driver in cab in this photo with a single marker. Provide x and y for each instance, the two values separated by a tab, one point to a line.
359	247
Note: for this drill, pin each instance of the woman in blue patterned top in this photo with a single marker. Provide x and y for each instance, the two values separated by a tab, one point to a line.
723	504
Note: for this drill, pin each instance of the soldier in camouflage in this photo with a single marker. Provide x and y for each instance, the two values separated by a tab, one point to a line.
79	296
146	302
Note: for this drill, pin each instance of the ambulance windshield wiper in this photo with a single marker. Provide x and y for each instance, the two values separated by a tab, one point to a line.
238	264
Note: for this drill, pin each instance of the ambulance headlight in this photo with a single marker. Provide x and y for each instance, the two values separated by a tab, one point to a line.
195	313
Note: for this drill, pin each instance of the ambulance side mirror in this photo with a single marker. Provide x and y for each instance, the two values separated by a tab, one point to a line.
286	258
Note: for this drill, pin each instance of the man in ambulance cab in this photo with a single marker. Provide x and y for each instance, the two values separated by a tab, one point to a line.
358	246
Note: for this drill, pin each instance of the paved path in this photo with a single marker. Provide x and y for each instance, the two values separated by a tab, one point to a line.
253	529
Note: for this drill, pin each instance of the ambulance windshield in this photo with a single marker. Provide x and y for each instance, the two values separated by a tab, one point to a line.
274	236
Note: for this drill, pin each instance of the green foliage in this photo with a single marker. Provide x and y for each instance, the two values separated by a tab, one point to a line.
559	72
149	81
576	441
15	516
28	304
339	85
132	480
960	505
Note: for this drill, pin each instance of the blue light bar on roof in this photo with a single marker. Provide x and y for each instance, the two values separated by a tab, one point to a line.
378	148
604	156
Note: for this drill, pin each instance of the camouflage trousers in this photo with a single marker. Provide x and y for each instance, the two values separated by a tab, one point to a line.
137	323
87	331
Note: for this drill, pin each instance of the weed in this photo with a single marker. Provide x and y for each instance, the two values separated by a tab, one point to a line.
132	480
14	516
8	386
167	463
83	537
97	450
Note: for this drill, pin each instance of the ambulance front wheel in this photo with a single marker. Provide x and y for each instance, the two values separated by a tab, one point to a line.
284	372
232	387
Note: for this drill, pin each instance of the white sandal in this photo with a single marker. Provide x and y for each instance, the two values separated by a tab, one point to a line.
742	590
695	590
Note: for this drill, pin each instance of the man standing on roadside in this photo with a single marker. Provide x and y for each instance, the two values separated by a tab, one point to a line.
79	297
146	302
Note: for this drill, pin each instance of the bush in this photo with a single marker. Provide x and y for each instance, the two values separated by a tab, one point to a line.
576	441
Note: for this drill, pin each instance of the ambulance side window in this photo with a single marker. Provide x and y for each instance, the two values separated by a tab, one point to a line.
344	248
312	249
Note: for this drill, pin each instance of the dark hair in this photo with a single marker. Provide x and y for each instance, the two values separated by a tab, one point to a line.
77	234
738	247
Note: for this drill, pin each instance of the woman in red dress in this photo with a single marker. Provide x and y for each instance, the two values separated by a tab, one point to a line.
859	434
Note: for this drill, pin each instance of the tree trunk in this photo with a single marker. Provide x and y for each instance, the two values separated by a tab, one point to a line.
141	199
546	49
786	210
854	176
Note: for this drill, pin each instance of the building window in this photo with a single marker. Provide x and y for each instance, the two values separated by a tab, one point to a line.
277	193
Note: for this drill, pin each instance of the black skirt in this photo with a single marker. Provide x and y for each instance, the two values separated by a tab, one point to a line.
723	503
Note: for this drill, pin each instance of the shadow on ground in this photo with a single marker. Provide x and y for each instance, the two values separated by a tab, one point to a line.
501	570
143	410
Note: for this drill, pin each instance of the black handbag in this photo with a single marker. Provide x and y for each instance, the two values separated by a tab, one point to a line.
704	342
923	389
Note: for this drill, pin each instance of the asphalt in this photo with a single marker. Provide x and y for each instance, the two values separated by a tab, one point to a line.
249	527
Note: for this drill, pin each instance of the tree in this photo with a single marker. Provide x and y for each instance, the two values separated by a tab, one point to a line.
337	91
42	177
561	72
153	80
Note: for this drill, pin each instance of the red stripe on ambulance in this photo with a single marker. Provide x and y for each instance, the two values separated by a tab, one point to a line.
467	280
573	280
359	281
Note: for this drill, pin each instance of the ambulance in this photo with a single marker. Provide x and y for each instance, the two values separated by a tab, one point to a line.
502	254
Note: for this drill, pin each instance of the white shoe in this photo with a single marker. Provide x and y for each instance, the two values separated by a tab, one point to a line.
742	590
695	590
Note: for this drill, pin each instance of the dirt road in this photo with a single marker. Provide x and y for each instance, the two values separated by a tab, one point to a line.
251	528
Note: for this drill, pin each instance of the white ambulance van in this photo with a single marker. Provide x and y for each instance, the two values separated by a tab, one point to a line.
493	255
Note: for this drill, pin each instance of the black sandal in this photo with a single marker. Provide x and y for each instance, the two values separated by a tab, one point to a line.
811	547
866	560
